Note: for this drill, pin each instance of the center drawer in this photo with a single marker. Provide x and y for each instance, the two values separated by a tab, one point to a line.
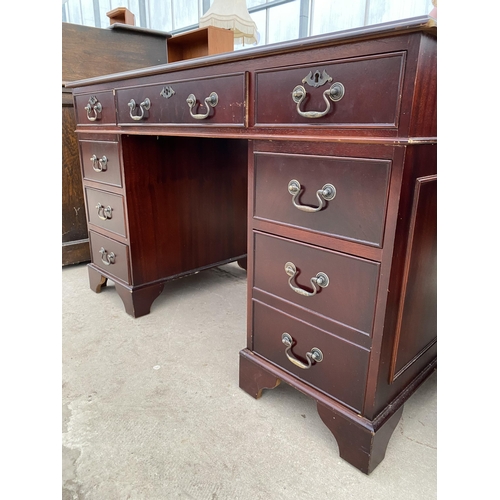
291	189
212	101
349	295
343	369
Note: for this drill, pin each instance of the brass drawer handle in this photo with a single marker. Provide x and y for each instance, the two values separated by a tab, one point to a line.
326	193
110	257
105	211
99	164
144	106
95	106
211	101
334	93
314	355
321	280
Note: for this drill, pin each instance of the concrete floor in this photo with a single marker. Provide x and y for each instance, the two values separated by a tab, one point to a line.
152	409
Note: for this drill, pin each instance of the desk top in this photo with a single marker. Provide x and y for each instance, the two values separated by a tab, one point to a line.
404	26
371	84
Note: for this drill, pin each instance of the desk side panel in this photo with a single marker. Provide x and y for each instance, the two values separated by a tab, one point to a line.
410	326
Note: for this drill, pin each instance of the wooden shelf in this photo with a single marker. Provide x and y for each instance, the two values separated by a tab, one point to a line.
199	43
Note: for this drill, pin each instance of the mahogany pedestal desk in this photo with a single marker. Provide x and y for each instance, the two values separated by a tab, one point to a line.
336	138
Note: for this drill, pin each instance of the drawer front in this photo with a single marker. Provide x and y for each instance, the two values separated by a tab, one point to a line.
110	256
167	102
359	188
101	162
369	89
95	109
341	373
350	295
106	210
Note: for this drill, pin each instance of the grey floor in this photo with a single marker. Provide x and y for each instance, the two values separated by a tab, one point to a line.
152	409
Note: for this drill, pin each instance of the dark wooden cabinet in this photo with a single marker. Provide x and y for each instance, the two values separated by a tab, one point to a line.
88	52
75	247
317	158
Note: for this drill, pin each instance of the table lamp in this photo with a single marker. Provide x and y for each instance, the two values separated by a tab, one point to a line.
232	15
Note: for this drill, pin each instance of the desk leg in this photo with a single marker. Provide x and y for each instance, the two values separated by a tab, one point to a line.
242	263
361	442
138	302
96	280
253	379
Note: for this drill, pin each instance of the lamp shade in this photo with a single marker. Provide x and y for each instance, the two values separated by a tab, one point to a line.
232	15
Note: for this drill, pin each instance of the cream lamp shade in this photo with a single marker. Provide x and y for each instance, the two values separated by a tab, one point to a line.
232	15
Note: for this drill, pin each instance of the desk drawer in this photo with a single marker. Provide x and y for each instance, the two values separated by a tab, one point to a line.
350	295
106	210
110	256
101	162
359	188
369	89
95	109
167	102
341	373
